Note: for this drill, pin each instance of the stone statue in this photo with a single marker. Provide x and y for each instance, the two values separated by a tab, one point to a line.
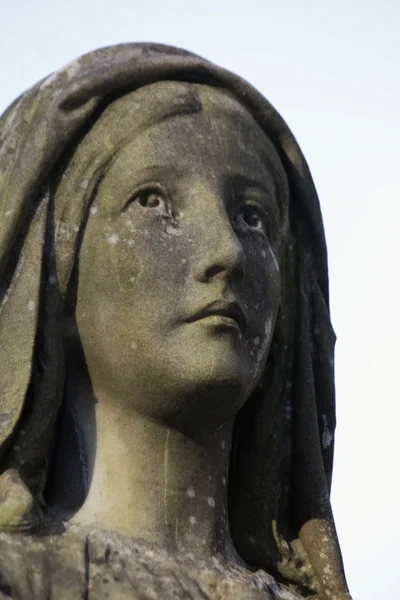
166	347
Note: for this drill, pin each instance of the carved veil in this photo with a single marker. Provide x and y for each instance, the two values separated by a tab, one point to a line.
281	463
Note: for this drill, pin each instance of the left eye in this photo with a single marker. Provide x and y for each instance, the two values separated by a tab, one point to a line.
253	219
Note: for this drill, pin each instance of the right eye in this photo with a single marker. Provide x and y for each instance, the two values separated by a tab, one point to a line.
151	198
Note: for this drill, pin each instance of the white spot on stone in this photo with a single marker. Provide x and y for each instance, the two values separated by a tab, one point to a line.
134	345
327	436
256	341
223	444
52	279
49	80
8	213
131	242
211	501
183	261
224	481
263	252
268	328
31	305
274	259
190	556
93	210
288	412
191	492
113	239
84	184
171	230
192	520
72	68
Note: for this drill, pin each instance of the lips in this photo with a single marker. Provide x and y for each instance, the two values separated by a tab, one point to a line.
222	308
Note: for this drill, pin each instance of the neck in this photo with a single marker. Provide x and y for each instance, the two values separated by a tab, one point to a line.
153	482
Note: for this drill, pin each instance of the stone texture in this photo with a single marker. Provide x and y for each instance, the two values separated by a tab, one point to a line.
279	509
80	565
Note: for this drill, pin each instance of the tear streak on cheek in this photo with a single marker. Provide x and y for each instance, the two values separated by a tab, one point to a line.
274	260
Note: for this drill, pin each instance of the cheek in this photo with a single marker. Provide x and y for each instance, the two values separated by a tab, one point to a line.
134	262
262	285
262	293
151	258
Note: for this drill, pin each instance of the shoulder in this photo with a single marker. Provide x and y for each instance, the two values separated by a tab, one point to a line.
80	565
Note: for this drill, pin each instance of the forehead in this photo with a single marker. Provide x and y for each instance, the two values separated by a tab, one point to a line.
220	137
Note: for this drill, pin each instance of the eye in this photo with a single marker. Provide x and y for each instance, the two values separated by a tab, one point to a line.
251	217
154	200
151	198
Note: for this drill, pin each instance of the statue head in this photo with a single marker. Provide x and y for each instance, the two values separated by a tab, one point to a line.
161	233
187	221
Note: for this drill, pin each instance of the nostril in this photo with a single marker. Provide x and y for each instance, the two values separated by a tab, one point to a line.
213	271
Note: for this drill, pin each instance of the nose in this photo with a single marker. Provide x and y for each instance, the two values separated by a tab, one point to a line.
222	253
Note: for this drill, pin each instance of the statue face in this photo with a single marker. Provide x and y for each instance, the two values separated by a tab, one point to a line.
178	285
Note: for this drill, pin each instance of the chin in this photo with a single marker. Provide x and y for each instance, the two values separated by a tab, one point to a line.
217	365
211	394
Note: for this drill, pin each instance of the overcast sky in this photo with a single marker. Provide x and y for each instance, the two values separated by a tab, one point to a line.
332	70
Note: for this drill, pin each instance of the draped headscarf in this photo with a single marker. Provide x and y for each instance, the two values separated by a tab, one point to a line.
282	452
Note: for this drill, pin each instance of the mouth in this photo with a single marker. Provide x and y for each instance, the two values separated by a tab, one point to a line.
222	313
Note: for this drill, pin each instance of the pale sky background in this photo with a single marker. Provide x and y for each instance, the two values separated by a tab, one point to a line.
332	69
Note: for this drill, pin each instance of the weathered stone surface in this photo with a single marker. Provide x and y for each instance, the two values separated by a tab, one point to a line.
166	349
98	565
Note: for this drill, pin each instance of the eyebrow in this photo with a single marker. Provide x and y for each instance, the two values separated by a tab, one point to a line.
246	181
157	170
239	178
265	183
269	195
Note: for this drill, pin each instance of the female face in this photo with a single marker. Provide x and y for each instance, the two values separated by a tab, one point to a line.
179	285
